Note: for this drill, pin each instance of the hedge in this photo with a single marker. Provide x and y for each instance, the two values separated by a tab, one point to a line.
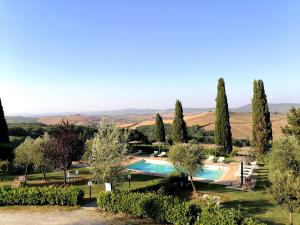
160	208
168	209
69	196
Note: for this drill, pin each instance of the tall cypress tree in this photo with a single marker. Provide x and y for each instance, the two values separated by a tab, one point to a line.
160	129
179	132
262	126
255	112
223	134
4	138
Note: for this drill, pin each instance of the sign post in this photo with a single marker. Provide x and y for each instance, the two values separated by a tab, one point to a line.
129	179
242	174
90	184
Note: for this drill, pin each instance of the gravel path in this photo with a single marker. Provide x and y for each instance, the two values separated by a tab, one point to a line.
61	217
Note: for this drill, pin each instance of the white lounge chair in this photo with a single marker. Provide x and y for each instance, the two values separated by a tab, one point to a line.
155	153
162	154
210	158
221	159
247	167
246	173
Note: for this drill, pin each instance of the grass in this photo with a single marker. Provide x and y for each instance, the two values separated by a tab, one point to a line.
256	204
36	179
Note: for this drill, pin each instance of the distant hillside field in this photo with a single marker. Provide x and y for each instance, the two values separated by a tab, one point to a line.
241	123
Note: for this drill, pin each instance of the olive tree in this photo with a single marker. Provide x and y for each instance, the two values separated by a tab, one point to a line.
188	159
106	152
285	191
285	155
284	163
30	153
25	153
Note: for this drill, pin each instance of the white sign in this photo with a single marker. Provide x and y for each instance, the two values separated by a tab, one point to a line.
90	183
107	186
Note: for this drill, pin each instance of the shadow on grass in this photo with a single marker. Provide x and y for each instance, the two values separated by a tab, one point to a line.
252	208
142	177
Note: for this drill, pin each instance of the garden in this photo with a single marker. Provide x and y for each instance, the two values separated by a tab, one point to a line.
69	166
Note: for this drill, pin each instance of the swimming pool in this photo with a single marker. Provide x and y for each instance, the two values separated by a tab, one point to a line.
165	168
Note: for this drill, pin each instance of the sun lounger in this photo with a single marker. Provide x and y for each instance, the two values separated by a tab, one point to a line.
155	153
221	159
211	158
162	154
246	173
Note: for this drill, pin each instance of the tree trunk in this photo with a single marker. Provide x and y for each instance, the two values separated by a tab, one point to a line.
291	218
194	189
26	170
44	175
65	177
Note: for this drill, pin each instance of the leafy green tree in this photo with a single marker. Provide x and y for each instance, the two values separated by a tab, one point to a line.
188	159
179	132
106	152
285	155
30	153
136	135
159	129
25	154
285	191
40	161
284	164
4	138
262	126
223	134
293	127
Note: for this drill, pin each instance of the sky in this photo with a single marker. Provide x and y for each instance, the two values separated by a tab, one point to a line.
77	55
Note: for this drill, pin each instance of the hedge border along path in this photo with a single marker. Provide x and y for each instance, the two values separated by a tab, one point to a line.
168	209
64	196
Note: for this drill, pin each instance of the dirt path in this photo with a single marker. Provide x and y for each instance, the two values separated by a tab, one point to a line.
56	216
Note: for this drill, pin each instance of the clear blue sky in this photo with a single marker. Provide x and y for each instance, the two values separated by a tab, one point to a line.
76	55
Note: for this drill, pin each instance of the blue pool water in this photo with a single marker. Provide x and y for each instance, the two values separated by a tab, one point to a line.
166	169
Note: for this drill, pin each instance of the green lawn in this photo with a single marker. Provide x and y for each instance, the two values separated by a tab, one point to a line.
257	204
137	181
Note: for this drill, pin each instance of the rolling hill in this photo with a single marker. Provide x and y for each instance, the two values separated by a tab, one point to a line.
241	123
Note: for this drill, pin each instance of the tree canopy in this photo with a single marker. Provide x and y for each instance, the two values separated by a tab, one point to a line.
188	159
106	152
65	145
179	130
261	126
4	138
223	134
159	129
284	164
293	127
30	153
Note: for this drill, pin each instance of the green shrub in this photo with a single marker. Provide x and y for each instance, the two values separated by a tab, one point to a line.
160	208
168	209
70	196
251	221
219	216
